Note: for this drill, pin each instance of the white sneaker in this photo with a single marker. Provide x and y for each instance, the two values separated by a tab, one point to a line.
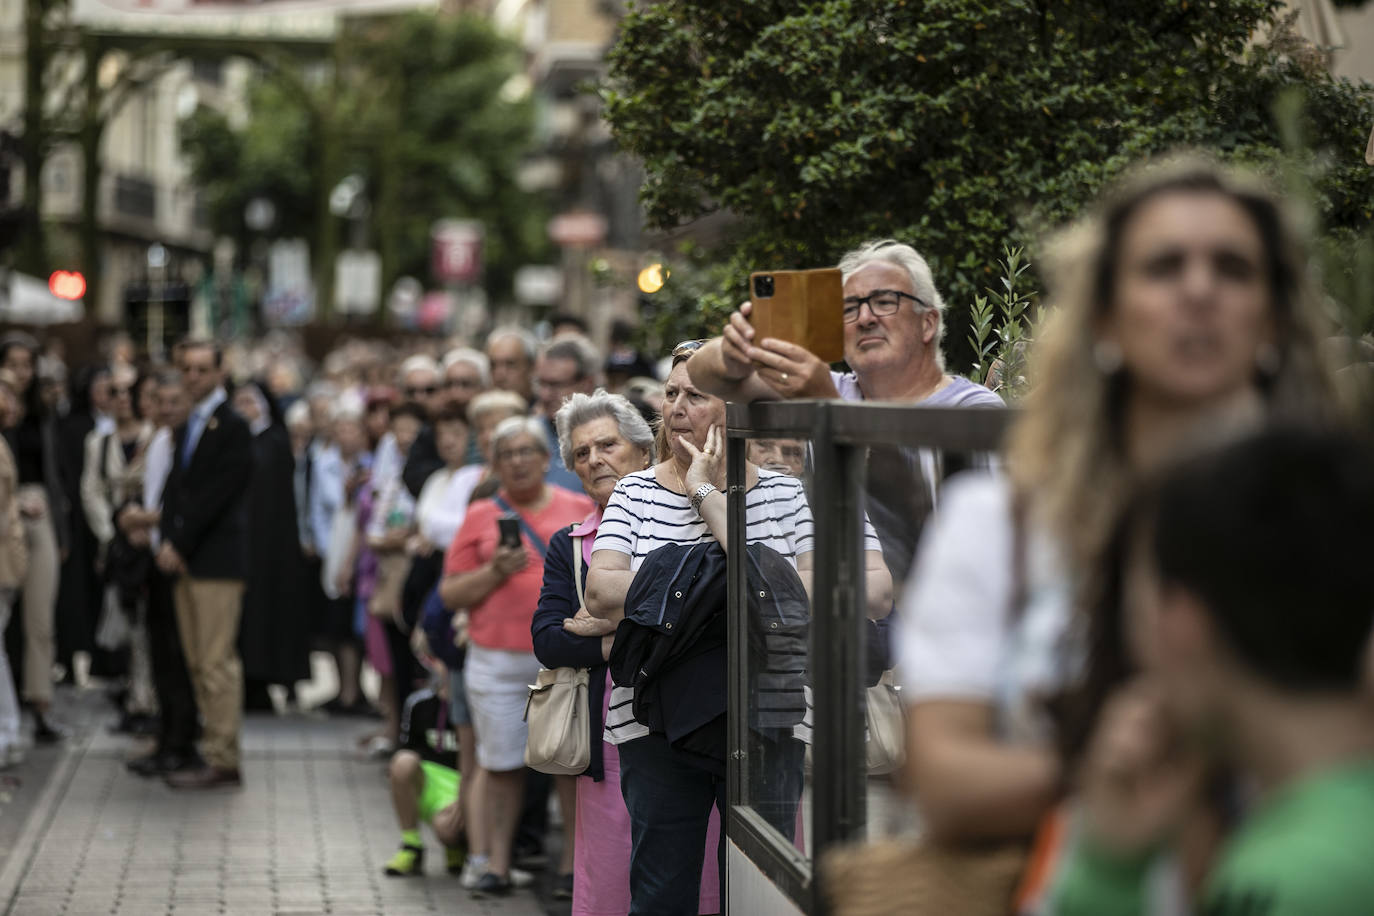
520	878
473	870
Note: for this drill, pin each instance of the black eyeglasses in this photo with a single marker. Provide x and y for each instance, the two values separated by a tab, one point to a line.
462	383
881	302
426	391
121	392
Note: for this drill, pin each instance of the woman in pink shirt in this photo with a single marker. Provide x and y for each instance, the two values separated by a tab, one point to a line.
500	587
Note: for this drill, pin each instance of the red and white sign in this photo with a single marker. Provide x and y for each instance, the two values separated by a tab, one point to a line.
457	251
578	229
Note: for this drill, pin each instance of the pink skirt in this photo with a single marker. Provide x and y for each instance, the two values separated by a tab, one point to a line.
378	652
601	850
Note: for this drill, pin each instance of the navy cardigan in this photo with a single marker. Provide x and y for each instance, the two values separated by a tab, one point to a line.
555	647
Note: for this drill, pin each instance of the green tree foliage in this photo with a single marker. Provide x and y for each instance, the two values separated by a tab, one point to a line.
955	125
419	107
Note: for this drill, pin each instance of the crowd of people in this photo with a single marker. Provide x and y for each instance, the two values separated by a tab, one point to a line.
1147	620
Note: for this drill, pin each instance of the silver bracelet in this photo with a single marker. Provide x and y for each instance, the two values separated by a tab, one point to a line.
699	496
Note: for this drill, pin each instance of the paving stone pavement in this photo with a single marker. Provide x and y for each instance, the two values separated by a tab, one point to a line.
307	834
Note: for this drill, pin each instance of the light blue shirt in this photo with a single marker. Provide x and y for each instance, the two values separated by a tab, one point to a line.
195	423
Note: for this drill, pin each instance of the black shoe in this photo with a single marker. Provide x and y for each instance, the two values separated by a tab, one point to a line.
160	764
530	855
45	732
563	887
490	885
144	726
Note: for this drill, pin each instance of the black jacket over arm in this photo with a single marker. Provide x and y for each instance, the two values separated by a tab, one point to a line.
204	503
555	647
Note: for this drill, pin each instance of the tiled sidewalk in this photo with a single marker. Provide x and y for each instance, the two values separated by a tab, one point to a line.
307	834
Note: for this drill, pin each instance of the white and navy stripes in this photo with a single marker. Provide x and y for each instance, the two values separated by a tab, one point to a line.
643	516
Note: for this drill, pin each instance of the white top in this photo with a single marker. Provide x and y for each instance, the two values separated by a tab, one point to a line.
390	491
956	638
157	464
643	515
443	503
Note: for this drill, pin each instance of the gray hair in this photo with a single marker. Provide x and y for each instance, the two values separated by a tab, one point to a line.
297	414
890	251
578	349
473	358
511	427
584	408
526	339
489	402
419	363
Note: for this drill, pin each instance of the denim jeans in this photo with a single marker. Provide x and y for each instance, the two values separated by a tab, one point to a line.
669	796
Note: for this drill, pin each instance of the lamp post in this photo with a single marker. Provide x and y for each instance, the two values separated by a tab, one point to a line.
157	320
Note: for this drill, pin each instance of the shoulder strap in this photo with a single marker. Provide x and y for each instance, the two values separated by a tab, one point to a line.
1019	587
577	570
525	526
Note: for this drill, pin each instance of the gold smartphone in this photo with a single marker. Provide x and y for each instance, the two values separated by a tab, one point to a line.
804	307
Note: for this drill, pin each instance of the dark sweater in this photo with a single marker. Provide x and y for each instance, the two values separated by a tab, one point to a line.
555	647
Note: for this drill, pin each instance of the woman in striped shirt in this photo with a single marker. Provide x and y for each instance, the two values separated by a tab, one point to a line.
669	791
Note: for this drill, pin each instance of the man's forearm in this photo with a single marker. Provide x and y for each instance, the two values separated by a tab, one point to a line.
707	371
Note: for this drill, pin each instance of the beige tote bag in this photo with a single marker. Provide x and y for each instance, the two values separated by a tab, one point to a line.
559	741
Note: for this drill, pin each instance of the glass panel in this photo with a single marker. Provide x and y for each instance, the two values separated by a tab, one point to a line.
780	533
903	489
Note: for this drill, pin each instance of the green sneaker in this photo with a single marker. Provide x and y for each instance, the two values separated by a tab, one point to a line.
409	860
455	858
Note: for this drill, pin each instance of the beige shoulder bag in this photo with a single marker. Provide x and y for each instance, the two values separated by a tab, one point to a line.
556	712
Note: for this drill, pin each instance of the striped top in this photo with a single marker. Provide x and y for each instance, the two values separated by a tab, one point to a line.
643	515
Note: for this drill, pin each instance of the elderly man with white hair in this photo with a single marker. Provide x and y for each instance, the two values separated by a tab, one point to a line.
466	374
894	323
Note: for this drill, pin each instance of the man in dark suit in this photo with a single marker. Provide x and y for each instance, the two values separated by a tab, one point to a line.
204	538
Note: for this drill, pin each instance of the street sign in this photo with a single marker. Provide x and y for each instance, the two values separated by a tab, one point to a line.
290	298
538	284
357	282
457	251
578	229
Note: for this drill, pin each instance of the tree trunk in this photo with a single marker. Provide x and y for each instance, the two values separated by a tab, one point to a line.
33	255
92	130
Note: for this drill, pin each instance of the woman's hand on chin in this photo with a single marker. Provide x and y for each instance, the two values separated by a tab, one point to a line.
706	461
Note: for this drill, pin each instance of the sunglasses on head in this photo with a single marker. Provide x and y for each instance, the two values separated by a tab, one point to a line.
687	348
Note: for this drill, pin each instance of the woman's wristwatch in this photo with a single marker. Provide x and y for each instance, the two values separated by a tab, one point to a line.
699	496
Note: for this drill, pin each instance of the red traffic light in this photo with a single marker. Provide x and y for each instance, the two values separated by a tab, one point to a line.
67	284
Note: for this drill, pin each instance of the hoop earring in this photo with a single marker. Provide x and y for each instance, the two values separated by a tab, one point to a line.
1268	360
1107	356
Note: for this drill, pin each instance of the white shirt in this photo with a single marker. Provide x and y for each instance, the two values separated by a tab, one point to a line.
443	503
390	493
157	465
958	637
200	415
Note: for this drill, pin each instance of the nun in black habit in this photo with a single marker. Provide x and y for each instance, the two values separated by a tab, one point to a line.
274	630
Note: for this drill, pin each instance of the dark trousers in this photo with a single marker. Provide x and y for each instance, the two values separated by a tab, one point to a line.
669	795
171	681
534	811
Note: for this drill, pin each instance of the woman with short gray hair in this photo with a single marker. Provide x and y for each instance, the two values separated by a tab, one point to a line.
584	408
602	438
499	581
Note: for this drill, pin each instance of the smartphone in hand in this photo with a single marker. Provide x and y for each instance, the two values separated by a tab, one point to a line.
509	527
804	307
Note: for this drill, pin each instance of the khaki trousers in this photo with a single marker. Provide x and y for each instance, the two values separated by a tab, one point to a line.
208	612
40	602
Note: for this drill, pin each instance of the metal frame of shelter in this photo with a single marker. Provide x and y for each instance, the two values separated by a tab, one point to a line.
839	433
